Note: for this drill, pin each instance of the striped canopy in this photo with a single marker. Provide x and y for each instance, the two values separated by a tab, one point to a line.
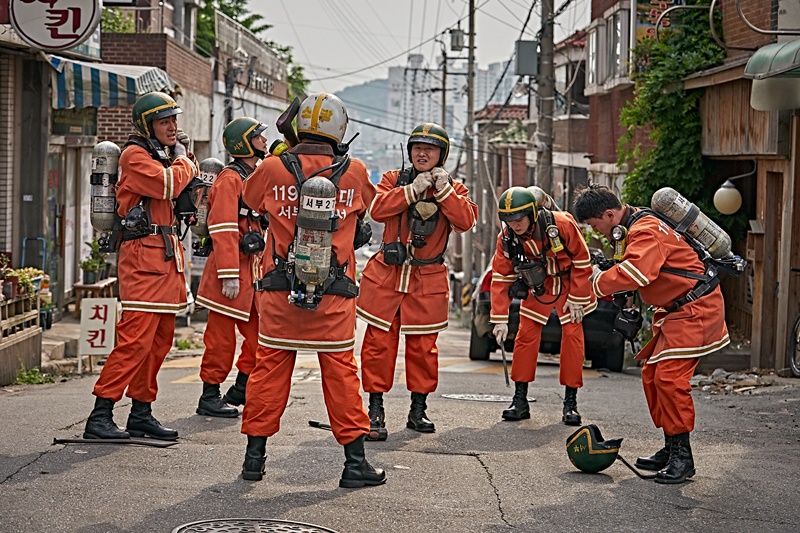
83	84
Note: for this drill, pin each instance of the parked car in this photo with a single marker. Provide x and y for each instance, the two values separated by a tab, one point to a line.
605	348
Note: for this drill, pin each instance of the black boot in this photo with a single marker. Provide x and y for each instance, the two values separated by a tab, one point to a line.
571	416
100	424
658	460
357	471
377	417
236	392
254	458
680	465
519	408
417	419
211	404
142	423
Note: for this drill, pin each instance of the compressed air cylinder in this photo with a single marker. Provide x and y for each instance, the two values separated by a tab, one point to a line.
312	245
209	170
691	220
105	162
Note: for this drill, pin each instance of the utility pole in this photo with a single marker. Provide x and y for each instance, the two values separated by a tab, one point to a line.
466	254
544	126
444	88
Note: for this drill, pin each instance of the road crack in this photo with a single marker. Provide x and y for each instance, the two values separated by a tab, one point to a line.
23	467
490	479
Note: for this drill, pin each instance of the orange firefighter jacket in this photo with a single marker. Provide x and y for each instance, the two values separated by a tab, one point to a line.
273	190
147	282
421	287
567	270
693	330
226	226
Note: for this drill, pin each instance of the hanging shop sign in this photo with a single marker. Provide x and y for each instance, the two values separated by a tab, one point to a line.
54	25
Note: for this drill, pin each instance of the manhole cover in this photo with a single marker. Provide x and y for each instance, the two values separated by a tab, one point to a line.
250	525
481	397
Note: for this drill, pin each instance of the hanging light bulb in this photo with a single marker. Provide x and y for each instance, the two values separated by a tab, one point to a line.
727	199
520	89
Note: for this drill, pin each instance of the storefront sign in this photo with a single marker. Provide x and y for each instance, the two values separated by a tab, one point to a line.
98	325
54	24
75	121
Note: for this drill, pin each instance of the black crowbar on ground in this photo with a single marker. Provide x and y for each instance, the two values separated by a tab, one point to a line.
319	425
133	440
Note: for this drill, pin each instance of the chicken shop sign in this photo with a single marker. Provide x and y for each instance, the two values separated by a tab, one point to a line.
54	24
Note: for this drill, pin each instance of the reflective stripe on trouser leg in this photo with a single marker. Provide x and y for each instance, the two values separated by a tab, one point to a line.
571	358
422	363
268	391
342	390
669	394
220	341
135	334
379	357
144	385
526	350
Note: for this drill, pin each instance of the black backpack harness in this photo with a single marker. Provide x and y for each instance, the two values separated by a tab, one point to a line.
282	278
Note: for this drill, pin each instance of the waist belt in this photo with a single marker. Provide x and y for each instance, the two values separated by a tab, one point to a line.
153	229
705	285
281	279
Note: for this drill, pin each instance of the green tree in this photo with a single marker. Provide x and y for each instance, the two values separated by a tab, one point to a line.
237	10
114	20
671	115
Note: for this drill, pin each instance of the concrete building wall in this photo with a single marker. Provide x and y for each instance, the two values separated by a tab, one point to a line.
7	95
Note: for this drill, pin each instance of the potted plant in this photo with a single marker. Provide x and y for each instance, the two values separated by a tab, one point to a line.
90	269
95	263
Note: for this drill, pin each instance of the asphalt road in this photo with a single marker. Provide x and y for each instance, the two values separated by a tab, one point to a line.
476	473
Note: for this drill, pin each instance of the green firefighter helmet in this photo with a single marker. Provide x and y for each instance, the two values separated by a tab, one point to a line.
430	133
238	134
151	106
589	452
515	203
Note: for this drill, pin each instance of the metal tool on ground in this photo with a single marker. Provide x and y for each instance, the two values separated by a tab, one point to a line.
133	440
319	425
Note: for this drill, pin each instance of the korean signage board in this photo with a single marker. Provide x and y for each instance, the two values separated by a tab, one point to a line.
53	25
646	15
98	326
75	121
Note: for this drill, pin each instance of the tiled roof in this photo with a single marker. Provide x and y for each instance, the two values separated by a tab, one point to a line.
509	112
576	40
515	133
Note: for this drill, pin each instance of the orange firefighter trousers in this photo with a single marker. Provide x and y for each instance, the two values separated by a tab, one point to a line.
143	341
526	353
271	380
379	357
669	394
220	341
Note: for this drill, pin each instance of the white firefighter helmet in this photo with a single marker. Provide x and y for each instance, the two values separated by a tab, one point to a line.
322	115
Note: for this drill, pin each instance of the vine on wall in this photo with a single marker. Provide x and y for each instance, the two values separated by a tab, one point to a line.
671	115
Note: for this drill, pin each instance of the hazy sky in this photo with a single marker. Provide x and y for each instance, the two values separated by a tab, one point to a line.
333	39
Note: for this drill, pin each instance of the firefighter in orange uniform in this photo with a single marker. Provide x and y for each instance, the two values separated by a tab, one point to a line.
405	287
226	288
319	317
154	169
542	259
680	336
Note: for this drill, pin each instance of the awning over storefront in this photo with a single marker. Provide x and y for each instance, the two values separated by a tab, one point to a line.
82	84
778	59
775	71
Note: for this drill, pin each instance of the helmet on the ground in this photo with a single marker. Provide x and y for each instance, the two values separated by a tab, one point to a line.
430	133
515	203
589	452
151	106
322	115
238	134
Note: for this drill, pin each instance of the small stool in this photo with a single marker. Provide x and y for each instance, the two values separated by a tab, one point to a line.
102	289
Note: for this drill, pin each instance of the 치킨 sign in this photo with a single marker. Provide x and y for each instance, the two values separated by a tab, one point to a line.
53	25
